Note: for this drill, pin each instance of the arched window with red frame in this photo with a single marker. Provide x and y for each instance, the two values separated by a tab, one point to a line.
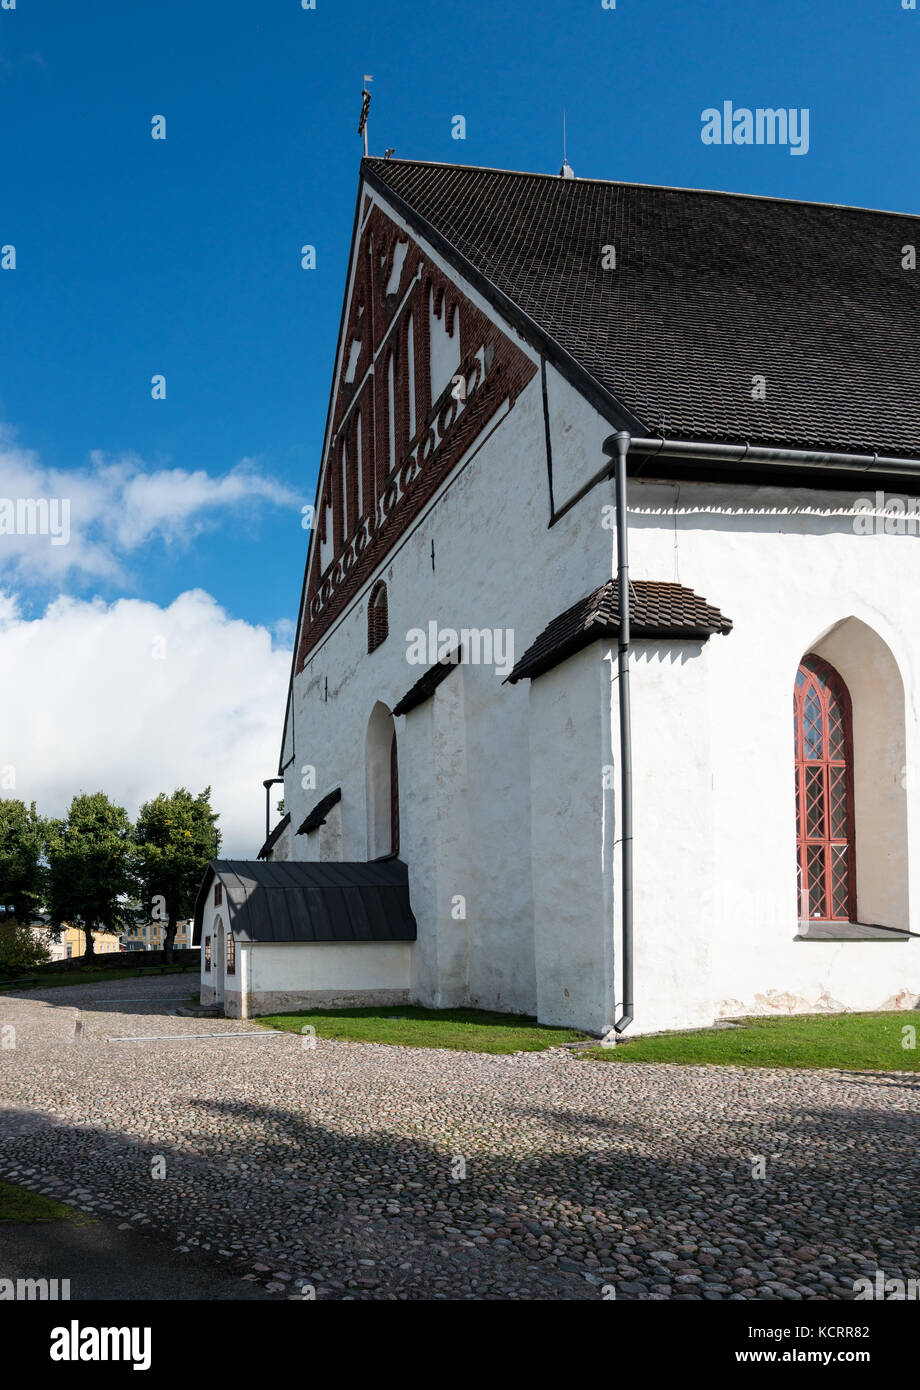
825	839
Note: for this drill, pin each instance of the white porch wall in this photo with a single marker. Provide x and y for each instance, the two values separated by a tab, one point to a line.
274	977
329	965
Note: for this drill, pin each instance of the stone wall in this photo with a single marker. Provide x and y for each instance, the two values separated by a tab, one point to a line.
116	960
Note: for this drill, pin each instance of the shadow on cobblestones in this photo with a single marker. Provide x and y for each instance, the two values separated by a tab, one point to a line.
375	1215
386	1172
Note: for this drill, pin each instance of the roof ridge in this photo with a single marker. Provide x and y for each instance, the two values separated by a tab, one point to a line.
631	183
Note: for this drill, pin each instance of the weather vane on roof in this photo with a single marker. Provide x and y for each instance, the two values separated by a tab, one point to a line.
365	107
566	172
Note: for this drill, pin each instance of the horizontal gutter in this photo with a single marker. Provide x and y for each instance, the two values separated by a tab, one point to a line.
735	455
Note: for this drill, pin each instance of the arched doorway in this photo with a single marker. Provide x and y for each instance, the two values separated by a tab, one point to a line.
825	822
218	959
394	797
382	778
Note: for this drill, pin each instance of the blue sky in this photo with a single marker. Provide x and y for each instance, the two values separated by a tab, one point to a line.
182	257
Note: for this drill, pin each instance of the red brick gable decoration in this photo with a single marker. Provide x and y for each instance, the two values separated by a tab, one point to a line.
391	444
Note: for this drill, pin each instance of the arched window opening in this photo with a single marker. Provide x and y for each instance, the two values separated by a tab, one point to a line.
326	548
391	412
345	530
410	363
825	837
359	488
383	832
207	955
444	343
394	798
377	617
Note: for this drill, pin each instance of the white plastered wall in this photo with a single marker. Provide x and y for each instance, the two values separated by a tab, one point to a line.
573	827
292	975
464	774
793	576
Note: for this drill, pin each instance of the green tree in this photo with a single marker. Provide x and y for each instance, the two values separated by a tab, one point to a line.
174	840
89	867
20	948
22	835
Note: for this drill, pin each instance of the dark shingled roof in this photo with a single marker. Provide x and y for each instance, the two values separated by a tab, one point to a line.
656	610
275	836
311	902
320	811
709	290
428	683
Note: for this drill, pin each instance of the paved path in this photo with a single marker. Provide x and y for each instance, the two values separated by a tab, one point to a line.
395	1173
103	1262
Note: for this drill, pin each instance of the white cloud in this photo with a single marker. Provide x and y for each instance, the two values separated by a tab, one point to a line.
174	504
89	703
117	506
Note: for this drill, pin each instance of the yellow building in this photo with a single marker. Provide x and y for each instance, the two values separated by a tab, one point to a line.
72	942
151	936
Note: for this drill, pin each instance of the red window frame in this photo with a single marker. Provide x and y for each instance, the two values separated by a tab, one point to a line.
231	954
825	822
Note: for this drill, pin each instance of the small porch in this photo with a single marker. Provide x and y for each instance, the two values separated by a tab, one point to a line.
279	935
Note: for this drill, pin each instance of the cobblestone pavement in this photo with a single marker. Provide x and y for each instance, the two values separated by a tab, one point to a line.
374	1172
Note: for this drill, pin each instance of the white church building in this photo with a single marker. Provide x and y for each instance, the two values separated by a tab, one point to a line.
455	739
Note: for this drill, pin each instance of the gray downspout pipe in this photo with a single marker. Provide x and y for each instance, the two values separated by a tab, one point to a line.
268	784
620	446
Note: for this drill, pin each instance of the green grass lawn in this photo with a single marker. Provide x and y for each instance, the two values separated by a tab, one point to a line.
17	1204
87	976
405	1025
869	1042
